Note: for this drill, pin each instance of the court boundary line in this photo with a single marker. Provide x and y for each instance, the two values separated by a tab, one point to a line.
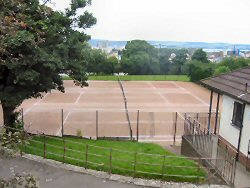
78	98
64	121
159	93
193	95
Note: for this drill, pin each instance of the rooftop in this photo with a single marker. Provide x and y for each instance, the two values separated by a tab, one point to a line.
235	84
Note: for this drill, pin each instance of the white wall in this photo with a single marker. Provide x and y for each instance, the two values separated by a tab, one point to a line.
231	133
227	131
245	136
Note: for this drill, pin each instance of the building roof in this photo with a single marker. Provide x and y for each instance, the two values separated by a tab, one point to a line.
235	84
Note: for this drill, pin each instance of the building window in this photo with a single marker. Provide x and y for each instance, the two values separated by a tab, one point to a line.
237	115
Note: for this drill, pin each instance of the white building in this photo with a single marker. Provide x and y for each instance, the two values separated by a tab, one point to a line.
234	87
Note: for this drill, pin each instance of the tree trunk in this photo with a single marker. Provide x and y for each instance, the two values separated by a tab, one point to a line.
9	116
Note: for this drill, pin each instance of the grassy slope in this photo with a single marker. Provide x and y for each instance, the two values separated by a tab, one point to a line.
139	78
123	155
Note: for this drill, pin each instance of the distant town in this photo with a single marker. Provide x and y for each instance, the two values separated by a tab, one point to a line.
216	52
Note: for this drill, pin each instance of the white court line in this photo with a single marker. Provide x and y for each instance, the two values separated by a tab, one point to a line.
64	121
35	104
198	98
41	99
78	98
159	93
178	85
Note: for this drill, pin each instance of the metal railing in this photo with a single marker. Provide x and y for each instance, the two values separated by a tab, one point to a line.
206	144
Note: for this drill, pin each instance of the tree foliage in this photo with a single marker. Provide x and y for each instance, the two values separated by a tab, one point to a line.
100	63
36	44
198	70
179	61
234	63
200	55
221	69
139	57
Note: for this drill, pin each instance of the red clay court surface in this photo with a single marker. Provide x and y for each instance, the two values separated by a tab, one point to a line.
156	100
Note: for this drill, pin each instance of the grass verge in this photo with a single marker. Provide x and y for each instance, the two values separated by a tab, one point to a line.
118	157
183	78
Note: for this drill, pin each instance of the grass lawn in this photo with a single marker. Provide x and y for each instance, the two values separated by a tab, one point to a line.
123	153
138	78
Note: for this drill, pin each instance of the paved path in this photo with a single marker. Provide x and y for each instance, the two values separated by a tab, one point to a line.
242	177
51	177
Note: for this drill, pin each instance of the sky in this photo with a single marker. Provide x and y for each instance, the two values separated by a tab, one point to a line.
169	20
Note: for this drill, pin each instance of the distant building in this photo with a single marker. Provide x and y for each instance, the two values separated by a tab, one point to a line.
172	56
103	44
115	53
215	56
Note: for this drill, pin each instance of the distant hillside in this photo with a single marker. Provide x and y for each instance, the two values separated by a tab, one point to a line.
173	44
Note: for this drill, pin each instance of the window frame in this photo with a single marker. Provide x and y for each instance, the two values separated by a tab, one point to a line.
237	118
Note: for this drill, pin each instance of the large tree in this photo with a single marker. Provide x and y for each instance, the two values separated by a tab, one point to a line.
139	57
200	55
179	61
36	44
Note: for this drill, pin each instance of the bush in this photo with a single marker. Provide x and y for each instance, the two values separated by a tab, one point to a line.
221	69
197	70
79	133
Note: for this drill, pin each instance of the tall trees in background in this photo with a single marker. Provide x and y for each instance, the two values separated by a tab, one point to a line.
100	63
36	44
139	57
200	55
230	64
179	61
199	67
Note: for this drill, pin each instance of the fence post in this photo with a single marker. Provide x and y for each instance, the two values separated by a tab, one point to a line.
86	156
175	126
22	119
163	166
44	146
64	150
135	164
137	126
96	124
198	171
193	127
62	122
110	161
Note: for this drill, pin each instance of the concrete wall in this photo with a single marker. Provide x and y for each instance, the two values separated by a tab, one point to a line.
245	131
231	133
227	131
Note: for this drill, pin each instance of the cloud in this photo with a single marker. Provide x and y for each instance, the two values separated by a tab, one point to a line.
178	20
